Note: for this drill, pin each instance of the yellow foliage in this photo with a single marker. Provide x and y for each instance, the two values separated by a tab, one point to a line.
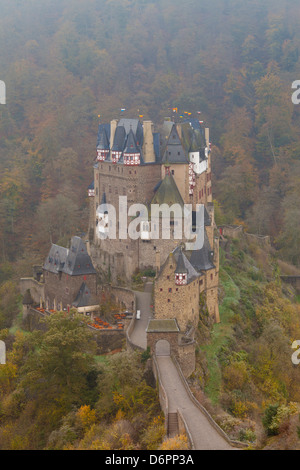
87	417
179	442
240	409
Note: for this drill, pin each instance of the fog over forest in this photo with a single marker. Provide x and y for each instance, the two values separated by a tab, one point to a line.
70	64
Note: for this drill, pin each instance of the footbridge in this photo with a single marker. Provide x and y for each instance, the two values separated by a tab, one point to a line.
182	411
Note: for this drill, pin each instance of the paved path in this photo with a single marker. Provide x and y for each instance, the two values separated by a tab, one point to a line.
143	302
204	435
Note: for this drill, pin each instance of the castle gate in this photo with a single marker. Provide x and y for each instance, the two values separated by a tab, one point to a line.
162	337
162	348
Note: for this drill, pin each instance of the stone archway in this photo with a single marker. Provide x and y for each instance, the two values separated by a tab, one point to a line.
162	348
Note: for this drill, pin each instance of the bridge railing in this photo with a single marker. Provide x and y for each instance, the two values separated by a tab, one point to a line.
182	423
204	410
163	397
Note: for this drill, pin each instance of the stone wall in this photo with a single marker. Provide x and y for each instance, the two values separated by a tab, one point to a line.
109	341
63	288
171	337
231	231
174	301
186	358
126	298
37	289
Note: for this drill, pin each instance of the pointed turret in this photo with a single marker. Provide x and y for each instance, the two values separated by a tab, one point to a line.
131	154
174	152
103	145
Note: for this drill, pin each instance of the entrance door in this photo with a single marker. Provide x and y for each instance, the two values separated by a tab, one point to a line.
162	348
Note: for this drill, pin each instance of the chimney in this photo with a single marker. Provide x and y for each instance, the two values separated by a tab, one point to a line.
207	136
113	126
179	130
148	149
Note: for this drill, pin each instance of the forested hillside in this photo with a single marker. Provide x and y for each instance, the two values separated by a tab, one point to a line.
67	62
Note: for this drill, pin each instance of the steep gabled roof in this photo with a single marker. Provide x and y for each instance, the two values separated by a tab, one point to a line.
119	139
101	128
207	221
56	259
131	145
180	266
74	261
135	126
167	192
202	260
184	265
103	140
174	152
78	261
84	297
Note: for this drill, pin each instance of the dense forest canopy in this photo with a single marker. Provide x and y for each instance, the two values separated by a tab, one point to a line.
67	62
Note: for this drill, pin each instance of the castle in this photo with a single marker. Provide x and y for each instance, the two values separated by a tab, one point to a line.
169	166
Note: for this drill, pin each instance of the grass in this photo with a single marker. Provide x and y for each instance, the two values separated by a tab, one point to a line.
101	359
221	332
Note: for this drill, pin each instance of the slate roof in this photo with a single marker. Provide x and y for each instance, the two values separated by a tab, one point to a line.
174	152
167	192
102	127
103	140
184	265
131	145
136	127
202	260
193	137
84	297
207	221
74	261
119	139
180	266
56	259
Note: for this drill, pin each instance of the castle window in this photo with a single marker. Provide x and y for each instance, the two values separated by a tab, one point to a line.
211	277
67	290
160	289
170	289
173	172
168	277
169	300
